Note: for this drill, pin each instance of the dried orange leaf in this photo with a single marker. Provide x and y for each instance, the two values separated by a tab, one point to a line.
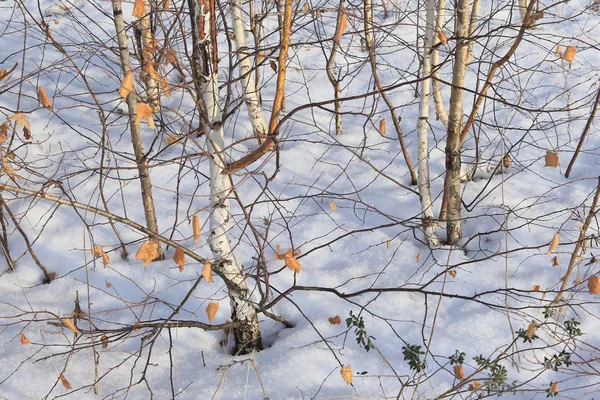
554	388
382	128
419	256
3	74
535	288
341	27
346	373
65	382
387	244
458	372
551	159
211	311
69	324
139	10
104	340
555	261
144	111
207	272
148	252
97	251
558	50
4	131
442	37
333	206
305	7
126	85
553	244
569	54
24	339
475	385
531	329
21	120
594	284
166	4
105	259
291	262
452	273
137	326
179	258
107	283
335	320
196	228
43	98
273	65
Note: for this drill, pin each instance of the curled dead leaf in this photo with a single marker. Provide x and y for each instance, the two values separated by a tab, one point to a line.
107	283
558	50
148	252
65	382
382	128
4	131
475	385
211	311
207	272
126	85
333	206
594	284
139	10
104	340
43	98
144	111
346	373
459	373
335	320
535	288
419	257
555	261
554	388
569	54
452	273
553	244
179	258
273	65
292	263
442	37
341	27
196	228
69	324
531	329
551	159
24	339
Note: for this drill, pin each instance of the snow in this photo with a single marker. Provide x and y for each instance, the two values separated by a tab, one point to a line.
365	253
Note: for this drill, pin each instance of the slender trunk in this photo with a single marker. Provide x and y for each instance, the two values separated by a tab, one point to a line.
335	82
440	110
251	99
136	139
370	47
423	128
282	34
255	27
247	335
149	74
455	114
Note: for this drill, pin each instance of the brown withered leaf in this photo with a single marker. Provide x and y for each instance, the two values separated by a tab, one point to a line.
553	243
98	251
196	228
475	385
419	257
65	382
4	132
531	329
292	263
333	206
126	86
211	311
139	10
166	4
551	159
273	65
459	373
107	283
21	120
382	128
144	111
554	388
506	161
569	54
104	340
43	98
335	320
535	288
558	50
346	373
3	74
207	272
555	261
69	324
452	273
442	37
24	339
179	258
148	252
594	284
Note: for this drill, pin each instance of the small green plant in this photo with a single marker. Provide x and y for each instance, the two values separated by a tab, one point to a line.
362	337
548	312
498	376
571	326
457	358
412	355
557	360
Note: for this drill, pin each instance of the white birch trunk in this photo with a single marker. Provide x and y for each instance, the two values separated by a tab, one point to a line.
423	129
247	335
249	92
440	110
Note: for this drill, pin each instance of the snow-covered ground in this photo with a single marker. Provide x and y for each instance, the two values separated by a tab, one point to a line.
344	201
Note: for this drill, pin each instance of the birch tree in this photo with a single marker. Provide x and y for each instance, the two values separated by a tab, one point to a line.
423	128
